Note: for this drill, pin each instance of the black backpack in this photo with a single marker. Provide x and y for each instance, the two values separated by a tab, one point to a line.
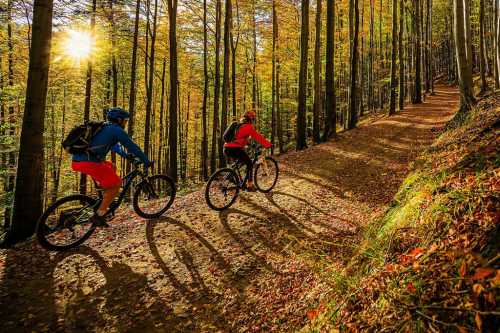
78	139
230	132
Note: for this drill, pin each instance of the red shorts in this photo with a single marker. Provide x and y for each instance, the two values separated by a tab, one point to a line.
102	172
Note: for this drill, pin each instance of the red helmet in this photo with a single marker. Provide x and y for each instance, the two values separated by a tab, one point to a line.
250	115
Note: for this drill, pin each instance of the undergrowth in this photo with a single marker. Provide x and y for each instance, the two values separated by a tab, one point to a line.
432	262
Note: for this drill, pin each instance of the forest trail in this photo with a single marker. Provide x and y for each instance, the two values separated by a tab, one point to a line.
251	268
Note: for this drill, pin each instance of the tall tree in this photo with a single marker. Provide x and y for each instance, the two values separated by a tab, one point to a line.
10	158
234	48
88	90
172	133
353	112
394	83
401	57
276	86
371	90
149	92
114	68
331	112
304	47
482	52
464	70
317	76
133	70
204	140
417	94
30	170
215	129
225	79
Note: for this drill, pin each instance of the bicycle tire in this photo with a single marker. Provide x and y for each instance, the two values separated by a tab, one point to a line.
142	187
256	178
212	178
41	226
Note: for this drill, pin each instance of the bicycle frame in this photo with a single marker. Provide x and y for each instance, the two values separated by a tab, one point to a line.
128	179
237	165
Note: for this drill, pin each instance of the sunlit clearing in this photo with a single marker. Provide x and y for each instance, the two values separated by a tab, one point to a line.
78	44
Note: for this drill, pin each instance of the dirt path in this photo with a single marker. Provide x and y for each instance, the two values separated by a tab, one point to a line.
251	268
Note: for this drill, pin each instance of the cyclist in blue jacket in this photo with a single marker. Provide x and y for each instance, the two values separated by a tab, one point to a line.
111	137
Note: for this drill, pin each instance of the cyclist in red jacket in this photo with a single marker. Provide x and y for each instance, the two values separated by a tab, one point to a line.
236	148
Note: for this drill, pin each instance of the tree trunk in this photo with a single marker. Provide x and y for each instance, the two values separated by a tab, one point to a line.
304	47
482	52
279	123
317	75
225	79
331	108
273	74
370	57
28	202
162	116
114	68
254	71
417	95
394	83
10	156
133	70
204	140
353	112
215	131
464	73
149	97
172	133
401	58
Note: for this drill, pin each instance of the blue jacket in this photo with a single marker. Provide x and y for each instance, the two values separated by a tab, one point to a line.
111	137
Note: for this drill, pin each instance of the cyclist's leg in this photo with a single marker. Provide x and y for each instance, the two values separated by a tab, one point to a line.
110	182
105	176
242	156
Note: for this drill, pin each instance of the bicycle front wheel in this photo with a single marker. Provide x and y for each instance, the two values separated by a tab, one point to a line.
154	196
222	189
266	174
65	224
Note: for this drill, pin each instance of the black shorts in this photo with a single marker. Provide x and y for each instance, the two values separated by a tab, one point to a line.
241	155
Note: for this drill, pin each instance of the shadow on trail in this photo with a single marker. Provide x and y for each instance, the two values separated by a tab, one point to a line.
32	301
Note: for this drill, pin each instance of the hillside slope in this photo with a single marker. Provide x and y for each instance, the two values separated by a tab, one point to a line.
432	262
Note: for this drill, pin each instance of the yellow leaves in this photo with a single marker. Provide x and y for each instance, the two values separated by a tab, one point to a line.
496	280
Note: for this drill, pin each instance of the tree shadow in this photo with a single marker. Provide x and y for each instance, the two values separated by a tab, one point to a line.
32	301
197	293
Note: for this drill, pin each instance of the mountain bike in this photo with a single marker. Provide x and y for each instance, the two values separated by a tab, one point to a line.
65	224
225	184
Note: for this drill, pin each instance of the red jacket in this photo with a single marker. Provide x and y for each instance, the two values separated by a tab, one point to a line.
243	134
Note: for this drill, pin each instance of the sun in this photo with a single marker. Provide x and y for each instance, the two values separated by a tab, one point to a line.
78	44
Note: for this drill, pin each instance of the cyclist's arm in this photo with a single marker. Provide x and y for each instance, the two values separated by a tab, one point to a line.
119	150
259	138
131	147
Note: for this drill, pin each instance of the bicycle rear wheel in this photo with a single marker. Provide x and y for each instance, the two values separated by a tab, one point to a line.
222	189
154	196
266	174
65	224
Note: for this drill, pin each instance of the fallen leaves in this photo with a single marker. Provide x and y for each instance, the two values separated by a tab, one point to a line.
482	273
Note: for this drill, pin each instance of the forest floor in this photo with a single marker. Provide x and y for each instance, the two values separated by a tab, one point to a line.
251	268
